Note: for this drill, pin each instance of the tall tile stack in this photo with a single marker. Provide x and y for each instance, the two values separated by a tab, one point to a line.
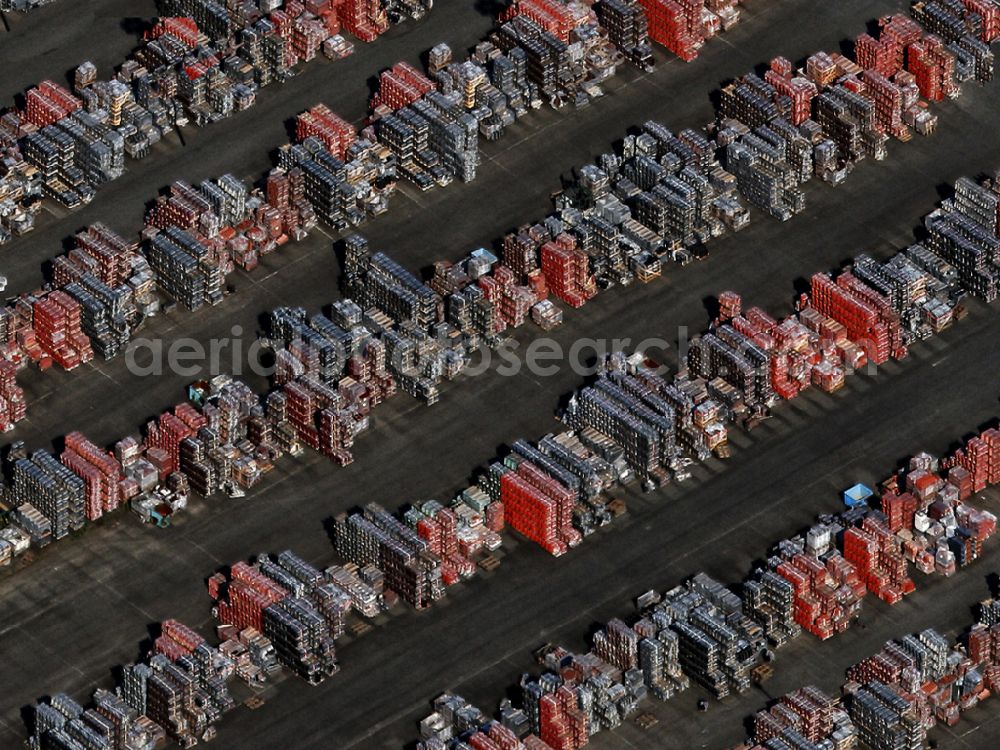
48	103
827	593
165	435
187	269
677	25
336	133
56	319
51	488
628	30
13	407
292	604
874	551
808	713
375	537
536	505
399	86
645	416
885	719
769	600
101	473
566	271
365	19
799	89
964	232
960	26
865	326
439	526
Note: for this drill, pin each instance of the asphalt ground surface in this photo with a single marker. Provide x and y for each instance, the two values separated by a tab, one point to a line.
86	603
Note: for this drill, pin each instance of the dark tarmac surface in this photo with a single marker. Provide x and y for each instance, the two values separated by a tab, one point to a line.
85	604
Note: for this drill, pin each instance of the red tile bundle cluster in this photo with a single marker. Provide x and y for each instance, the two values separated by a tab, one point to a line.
511	301
498	737
538	507
308	35
875	551
100	251
934	68
48	103
365	19
891	101
554	16
368	367
56	320
981	458
886	54
336	133
798	89
441	533
184	30
927	506
677	25
242	599
866	326
563	725
102	475
13	407
989	15
183	207
176	640
808	711
799	353
164	437
827	596
314	412
400	85
566	271
285	192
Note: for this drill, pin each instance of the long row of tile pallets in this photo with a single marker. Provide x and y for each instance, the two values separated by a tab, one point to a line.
435	136
332	370
890	700
201	63
680	194
542	51
282	611
775	132
73	142
894	697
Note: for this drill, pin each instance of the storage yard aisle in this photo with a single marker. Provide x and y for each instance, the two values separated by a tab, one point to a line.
244	144
49	41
